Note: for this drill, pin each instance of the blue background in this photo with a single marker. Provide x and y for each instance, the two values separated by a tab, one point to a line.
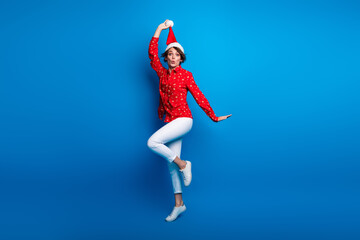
79	100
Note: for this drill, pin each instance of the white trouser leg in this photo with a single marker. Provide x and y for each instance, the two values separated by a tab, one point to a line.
175	146
171	131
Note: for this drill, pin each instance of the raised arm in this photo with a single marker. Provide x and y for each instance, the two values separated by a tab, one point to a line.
154	51
161	27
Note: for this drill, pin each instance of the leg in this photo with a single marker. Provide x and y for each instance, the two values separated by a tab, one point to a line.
173	130
178	200
174	172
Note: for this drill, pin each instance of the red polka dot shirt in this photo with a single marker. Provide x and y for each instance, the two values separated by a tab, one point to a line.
173	89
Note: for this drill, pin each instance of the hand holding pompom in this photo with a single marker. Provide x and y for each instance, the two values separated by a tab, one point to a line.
169	23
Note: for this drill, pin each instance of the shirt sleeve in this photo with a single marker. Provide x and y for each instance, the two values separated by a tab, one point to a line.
153	55
200	98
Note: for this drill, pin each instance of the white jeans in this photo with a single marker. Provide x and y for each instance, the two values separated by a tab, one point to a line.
171	134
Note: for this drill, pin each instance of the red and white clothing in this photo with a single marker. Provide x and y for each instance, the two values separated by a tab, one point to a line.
173	89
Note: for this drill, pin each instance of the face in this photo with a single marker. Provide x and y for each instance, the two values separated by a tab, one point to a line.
173	58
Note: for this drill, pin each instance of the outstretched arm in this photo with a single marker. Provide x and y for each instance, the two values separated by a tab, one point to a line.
202	101
200	98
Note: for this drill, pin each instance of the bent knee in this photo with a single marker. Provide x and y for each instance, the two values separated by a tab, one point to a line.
151	143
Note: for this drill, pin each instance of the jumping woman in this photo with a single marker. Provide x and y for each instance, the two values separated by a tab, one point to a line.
174	84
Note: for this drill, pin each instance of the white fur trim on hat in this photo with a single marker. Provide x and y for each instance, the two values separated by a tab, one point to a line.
175	44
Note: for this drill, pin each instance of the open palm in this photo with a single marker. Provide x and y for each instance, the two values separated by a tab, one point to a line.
224	117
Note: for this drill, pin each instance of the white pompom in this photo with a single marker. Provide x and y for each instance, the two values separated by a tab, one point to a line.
169	23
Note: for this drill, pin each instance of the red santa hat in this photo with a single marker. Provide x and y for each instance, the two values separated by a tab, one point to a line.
171	41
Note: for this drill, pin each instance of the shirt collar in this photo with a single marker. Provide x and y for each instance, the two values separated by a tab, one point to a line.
177	69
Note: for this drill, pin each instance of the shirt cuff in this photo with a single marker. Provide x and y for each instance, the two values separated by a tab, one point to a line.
215	119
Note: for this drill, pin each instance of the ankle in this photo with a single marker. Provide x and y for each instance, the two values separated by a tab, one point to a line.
183	165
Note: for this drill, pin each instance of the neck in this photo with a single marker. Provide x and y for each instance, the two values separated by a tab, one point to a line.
172	68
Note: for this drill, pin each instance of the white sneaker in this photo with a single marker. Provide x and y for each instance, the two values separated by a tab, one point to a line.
175	213
186	173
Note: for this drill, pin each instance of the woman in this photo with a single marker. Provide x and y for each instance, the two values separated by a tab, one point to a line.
174	84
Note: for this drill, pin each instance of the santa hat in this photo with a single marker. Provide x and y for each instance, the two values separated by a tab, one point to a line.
171	41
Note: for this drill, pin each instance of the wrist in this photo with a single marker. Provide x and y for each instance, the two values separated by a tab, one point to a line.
157	32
